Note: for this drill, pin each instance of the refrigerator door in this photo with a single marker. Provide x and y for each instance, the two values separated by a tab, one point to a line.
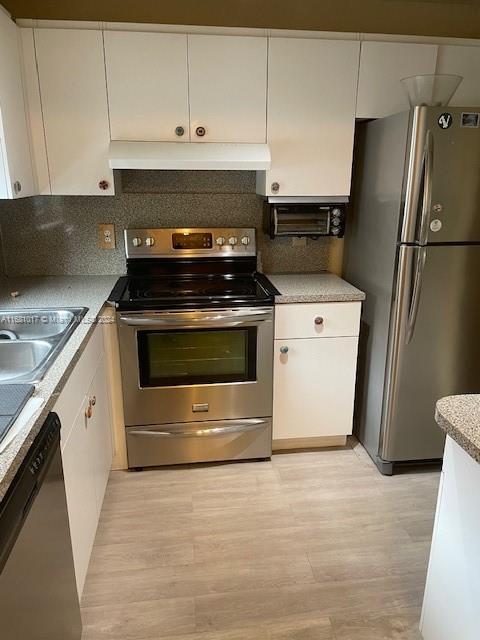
434	349
442	179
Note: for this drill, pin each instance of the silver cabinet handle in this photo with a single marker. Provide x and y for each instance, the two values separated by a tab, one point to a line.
275	187
179	131
318	320
283	350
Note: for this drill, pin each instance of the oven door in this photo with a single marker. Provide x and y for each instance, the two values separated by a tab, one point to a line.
197	365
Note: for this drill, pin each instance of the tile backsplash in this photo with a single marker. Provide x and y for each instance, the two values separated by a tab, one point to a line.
58	235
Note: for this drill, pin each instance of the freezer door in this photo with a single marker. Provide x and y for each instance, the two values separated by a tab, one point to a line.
434	346
442	177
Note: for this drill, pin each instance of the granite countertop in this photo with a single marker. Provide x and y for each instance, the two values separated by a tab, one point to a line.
313	287
459	417
50	291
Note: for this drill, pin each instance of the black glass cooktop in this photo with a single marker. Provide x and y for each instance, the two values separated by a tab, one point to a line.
160	292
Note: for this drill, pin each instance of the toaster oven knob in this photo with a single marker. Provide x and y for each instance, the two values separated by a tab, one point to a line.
137	242
150	241
245	240
220	241
336	231
336	222
233	240
336	213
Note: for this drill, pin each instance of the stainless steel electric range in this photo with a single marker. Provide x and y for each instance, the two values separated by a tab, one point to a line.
195	326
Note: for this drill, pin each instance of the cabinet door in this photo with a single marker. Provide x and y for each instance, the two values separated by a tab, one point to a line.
228	88
81	497
74	99
382	66
311	116
147	80
14	141
463	61
314	387
100	433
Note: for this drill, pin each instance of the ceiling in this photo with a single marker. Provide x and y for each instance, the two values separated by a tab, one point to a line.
459	18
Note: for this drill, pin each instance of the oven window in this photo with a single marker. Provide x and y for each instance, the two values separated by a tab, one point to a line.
197	356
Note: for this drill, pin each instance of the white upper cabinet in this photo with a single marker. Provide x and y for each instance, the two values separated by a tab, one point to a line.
312	88
147	80
463	61
16	164
228	88
382	66
71	70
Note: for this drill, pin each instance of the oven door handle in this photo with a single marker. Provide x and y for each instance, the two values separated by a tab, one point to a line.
241	427
223	319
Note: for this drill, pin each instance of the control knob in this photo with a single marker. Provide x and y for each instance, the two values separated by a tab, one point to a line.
245	240
336	231
220	241
336	213
150	241
233	241
137	242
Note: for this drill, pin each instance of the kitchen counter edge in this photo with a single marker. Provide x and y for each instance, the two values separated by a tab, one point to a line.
459	417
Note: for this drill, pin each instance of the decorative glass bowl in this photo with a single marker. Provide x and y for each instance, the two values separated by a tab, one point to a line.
434	90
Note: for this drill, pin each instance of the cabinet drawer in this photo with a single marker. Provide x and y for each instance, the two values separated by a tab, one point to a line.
74	391
317	320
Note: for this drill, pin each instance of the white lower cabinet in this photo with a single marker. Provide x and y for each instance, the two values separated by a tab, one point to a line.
314	377
86	449
452	591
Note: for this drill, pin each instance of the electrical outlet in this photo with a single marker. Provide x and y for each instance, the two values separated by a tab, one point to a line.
106	233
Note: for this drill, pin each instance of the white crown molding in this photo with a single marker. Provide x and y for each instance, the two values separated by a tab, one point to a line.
243	31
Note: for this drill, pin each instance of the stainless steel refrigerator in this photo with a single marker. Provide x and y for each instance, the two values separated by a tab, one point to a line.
413	245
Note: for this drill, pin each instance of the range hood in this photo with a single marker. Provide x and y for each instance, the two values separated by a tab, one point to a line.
124	154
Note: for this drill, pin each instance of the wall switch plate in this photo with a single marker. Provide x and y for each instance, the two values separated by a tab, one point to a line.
299	242
106	234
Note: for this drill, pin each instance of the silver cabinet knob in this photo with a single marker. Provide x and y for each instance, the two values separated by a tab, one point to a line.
318	320
200	131
275	187
137	242
245	240
103	185
179	131
220	241
149	241
283	350
17	187
233	241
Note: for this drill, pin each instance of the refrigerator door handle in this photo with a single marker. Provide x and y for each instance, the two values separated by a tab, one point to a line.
417	287
427	189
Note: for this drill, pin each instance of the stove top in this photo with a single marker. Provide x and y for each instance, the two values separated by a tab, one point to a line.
161	292
191	268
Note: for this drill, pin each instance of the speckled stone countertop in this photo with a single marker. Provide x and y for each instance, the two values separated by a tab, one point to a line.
43	292
313	287
459	417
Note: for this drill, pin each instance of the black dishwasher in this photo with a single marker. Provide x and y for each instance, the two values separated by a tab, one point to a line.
38	594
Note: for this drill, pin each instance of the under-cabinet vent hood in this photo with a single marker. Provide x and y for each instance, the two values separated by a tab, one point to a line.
188	155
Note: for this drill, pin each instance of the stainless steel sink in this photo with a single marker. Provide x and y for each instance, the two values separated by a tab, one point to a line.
31	339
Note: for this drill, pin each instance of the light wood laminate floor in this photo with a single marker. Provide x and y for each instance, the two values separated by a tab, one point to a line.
308	546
